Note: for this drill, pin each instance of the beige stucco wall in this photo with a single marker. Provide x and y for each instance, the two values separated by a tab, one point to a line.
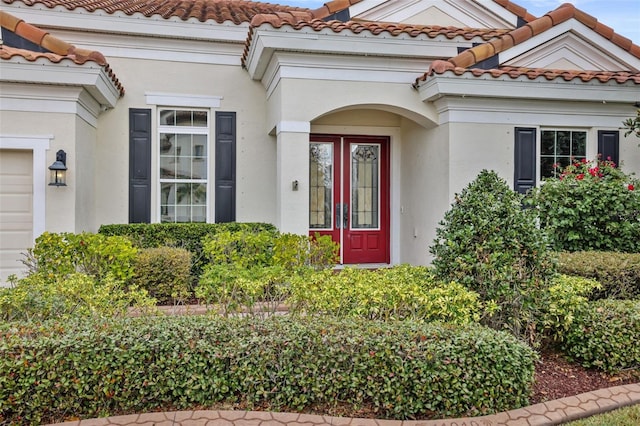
256	150
425	188
84	161
630	153
474	147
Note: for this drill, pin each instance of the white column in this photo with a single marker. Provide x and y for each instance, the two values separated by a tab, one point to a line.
292	187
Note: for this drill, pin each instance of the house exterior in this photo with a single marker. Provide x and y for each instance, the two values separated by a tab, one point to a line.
359	120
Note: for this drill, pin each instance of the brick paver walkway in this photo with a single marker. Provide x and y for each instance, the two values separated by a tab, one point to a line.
547	413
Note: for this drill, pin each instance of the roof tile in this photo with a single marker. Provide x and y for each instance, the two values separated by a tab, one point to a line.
58	50
8	53
236	11
516	10
620	77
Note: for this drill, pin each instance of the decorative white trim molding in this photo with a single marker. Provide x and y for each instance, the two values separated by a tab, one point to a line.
473	13
90	76
50	99
608	50
522	88
182	100
293	127
39	145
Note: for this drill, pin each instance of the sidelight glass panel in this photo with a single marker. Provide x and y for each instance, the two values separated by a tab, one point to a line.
365	186
320	185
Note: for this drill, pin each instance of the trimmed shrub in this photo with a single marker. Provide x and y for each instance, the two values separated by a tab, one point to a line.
164	272
405	370
562	302
57	255
41	297
592	205
605	335
183	235
619	273
397	293
494	247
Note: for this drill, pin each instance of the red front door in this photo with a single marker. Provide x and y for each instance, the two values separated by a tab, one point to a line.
349	195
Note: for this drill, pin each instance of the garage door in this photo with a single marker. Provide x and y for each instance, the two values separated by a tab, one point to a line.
16	209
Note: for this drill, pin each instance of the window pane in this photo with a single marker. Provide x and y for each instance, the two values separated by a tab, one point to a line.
167	142
167	117
579	144
167	167
548	145
200	118
546	167
198	194
184	118
563	142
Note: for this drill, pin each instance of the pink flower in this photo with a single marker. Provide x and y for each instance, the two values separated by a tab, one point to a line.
593	171
584	161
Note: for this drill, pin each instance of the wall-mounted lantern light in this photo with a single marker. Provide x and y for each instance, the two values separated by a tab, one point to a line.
59	170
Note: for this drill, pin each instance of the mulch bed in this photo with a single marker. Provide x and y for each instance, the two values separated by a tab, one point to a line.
558	378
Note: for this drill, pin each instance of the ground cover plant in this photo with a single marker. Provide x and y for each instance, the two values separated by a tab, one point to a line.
396	293
255	269
93	368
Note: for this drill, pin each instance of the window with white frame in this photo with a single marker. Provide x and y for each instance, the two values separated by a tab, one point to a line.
558	148
184	151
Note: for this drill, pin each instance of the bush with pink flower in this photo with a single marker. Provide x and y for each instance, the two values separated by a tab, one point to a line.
590	205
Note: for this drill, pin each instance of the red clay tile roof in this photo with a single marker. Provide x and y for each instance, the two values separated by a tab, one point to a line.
561	14
299	21
59	49
464	62
375	28
441	67
519	11
236	11
331	7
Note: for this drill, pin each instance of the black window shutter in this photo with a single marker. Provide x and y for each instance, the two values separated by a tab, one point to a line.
225	151
139	165
609	145
525	159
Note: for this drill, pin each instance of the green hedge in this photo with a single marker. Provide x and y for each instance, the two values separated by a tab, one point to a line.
184	235
605	335
89	369
619	273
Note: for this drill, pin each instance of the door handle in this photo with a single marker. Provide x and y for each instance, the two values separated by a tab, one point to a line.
342	215
345	215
